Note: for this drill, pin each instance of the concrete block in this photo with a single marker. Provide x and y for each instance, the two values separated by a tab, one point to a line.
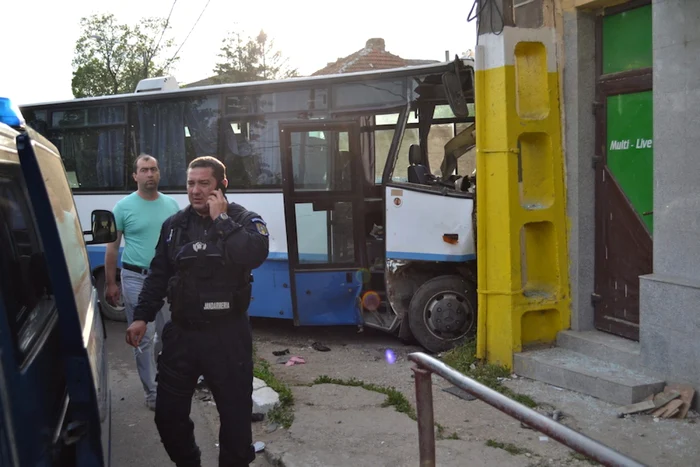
264	400
603	346
258	383
577	372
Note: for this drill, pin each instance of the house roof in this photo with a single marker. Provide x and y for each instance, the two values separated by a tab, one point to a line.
202	82
373	56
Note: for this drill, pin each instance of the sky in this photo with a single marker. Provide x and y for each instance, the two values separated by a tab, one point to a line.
310	33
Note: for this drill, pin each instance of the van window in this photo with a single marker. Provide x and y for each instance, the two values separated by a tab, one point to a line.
25	284
69	228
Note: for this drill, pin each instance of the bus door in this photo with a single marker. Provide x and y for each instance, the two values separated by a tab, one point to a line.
322	187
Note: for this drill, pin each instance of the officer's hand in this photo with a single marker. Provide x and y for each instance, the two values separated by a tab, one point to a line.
217	204
135	332
112	293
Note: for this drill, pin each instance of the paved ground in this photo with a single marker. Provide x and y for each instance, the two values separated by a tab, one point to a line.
343	426
338	426
135	440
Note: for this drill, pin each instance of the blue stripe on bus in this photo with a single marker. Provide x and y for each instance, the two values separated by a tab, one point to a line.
428	256
325	298
96	255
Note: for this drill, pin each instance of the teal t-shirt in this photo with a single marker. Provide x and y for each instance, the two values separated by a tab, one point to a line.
140	221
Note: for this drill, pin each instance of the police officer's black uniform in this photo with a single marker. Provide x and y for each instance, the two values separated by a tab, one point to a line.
204	268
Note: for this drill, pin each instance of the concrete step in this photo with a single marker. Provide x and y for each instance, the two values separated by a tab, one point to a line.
587	375
603	346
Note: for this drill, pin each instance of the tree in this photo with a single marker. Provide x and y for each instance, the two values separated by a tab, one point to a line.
248	59
111	58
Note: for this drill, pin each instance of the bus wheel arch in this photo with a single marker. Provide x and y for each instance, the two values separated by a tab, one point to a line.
402	278
111	312
443	312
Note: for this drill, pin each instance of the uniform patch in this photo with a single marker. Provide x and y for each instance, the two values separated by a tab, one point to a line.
260	226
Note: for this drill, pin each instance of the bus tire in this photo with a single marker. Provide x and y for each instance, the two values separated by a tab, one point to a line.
111	312
442	313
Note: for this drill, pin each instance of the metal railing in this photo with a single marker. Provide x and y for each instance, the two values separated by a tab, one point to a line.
426	366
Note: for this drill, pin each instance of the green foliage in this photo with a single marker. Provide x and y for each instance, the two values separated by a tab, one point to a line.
283	414
394	397
463	359
250	59
508	447
111	58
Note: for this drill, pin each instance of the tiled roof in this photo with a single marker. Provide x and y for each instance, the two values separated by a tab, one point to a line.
372	57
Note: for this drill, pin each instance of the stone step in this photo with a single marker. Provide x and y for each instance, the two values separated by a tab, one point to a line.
603	346
587	375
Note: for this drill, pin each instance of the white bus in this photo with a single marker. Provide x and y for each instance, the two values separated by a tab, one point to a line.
357	175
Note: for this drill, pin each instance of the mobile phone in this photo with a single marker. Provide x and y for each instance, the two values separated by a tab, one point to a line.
222	187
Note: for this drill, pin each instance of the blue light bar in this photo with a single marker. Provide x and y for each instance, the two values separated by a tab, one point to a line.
10	114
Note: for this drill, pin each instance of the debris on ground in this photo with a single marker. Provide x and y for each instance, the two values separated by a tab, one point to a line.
279	353
320	347
295	361
673	402
459	392
264	399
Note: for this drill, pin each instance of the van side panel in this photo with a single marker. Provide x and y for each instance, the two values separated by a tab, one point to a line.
32	368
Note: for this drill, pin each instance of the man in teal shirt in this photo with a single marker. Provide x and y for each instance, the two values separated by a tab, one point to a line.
140	217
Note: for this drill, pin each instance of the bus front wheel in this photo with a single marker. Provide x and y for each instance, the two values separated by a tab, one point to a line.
442	313
112	312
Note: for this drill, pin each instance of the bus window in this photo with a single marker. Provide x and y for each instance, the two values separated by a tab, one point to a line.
315	165
438	137
251	153
370	94
175	132
91	142
400	173
38	120
292	101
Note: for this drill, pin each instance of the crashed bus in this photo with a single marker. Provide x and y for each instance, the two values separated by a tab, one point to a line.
364	179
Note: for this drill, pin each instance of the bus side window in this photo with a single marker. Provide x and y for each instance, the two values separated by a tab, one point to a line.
23	270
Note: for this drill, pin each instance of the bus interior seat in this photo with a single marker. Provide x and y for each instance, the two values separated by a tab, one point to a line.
417	172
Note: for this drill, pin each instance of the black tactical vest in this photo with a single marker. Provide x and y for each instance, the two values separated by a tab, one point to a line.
204	285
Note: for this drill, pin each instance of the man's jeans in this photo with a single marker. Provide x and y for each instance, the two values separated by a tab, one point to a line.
150	345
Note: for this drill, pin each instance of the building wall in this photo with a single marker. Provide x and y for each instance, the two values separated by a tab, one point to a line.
579	138
670	297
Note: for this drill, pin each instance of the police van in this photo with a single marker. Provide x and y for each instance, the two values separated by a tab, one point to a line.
55	400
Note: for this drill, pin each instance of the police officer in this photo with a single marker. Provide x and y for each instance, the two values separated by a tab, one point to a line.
203	264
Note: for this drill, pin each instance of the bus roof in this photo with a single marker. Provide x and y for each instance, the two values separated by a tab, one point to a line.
263	86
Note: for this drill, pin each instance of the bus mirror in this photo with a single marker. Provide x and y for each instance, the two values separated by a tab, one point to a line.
455	96
104	227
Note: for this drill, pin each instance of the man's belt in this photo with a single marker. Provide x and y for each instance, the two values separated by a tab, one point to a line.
131	267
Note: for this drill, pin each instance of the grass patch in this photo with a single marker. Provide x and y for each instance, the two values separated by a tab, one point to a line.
580	457
393	397
463	359
508	447
283	414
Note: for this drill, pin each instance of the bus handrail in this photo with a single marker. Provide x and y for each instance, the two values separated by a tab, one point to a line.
426	365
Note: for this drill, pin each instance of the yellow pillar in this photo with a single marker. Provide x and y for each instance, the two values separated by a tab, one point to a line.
521	213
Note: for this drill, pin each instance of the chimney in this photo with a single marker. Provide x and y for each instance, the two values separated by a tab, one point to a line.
376	43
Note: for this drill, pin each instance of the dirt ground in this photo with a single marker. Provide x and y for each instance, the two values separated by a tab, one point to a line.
363	356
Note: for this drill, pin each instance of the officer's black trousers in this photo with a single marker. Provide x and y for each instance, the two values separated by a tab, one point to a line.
223	354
